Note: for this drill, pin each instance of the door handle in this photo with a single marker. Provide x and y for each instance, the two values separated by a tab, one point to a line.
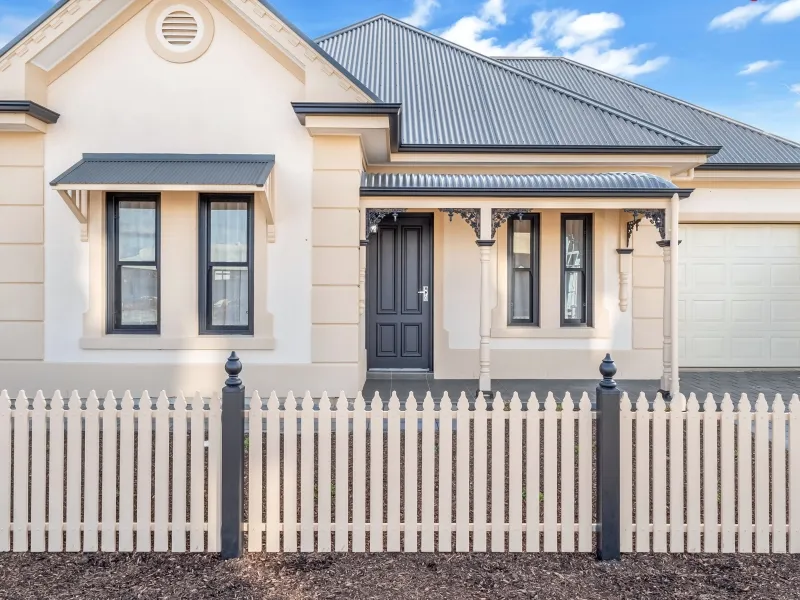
424	292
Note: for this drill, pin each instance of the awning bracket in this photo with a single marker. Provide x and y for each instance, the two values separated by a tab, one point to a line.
78	203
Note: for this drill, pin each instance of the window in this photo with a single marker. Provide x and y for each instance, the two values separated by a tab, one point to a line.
523	270
226	264
576	271
133	263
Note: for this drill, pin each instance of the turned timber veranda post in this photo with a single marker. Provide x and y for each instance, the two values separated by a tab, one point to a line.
609	399
233	421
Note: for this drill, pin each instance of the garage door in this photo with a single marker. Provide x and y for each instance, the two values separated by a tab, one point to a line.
740	296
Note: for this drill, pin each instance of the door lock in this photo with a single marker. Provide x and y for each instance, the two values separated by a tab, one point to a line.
424	292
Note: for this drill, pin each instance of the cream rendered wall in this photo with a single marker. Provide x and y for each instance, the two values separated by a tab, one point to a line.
742	204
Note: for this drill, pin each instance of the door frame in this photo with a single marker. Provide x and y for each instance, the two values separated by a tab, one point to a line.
430	217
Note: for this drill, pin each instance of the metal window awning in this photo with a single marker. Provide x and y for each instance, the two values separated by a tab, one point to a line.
215	173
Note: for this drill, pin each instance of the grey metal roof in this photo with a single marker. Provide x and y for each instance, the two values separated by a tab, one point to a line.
169	169
452	96
596	184
741	144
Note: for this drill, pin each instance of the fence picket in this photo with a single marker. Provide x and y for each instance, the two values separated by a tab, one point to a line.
761	505
727	452
515	475
5	471
567	478
214	471
20	515
306	474
55	517
410	499
427	539
359	474
626	474
108	534
179	474
479	477
91	475
498	470
778	475
642	474
794	474
744	467
342	480
676	520
255	469
376	474
126	456
659	474
550	475
273	470
38	473
585	451
144	453
532	437
393	475
462	474
445	484
693	475
161	480
710	520
290	473
197	499
74	472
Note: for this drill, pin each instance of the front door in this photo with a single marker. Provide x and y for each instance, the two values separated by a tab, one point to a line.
400	293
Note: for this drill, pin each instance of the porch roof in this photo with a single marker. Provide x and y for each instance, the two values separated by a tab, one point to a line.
593	185
168	169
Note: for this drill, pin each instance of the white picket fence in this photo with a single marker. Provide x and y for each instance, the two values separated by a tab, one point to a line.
427	478
74	475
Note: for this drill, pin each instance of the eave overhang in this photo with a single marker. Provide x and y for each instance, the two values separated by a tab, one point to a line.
25	115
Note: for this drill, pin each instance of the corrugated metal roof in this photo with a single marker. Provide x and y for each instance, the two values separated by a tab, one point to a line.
540	183
741	144
452	96
169	169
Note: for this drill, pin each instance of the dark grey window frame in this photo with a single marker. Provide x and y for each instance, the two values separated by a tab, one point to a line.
535	270
205	265
113	265
587	269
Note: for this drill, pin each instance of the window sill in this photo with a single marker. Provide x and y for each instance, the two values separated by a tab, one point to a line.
523	331
155	342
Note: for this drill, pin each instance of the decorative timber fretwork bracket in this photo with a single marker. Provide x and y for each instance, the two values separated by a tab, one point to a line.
471	215
375	215
501	215
78	203
657	216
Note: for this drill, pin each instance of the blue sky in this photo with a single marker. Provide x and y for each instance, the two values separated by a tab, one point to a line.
737	57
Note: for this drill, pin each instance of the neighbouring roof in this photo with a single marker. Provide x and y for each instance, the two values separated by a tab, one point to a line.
169	169
454	97
594	185
741	144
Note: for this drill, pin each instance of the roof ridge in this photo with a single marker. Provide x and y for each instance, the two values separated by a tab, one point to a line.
530	77
660	94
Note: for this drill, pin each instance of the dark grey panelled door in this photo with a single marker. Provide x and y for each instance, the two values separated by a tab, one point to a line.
400	293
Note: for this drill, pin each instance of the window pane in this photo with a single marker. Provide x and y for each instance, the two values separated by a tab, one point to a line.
138	296
137	231
573	295
575	252
521	244
228	235
521	296
229	296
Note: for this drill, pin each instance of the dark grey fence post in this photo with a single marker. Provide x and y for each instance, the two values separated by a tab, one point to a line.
232	507
608	462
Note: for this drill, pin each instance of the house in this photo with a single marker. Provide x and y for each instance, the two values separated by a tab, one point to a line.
183	178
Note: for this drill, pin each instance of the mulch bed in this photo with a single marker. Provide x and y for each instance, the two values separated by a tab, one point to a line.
397	576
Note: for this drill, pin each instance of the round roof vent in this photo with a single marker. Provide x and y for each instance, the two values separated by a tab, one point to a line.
180	31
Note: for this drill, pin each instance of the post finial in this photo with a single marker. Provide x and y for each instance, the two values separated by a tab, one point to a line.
233	367
608	369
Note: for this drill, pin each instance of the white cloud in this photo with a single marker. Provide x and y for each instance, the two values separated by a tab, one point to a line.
585	37
795	88
739	17
422	13
10	26
760	66
784	12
